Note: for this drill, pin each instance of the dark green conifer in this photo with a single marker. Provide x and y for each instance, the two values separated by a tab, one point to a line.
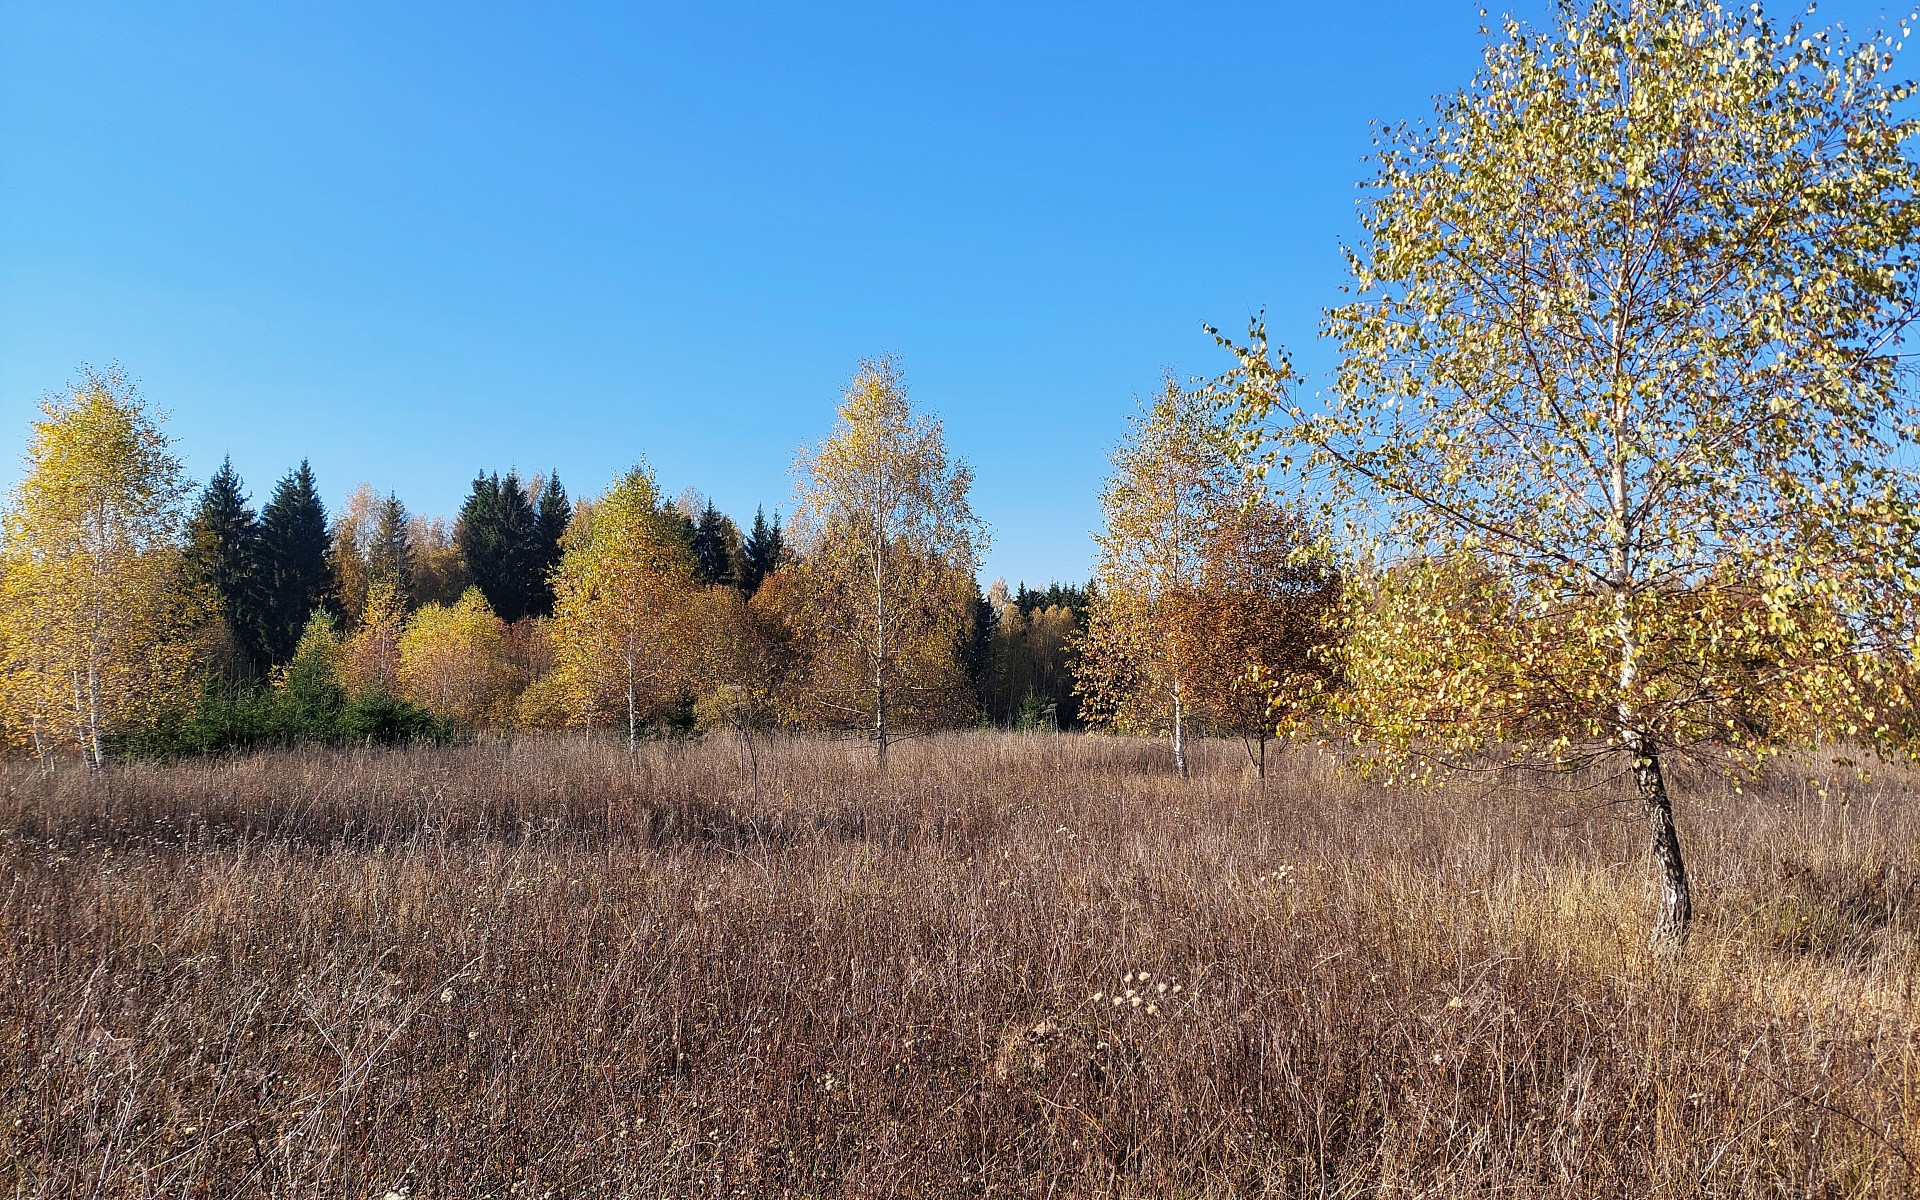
499	536
764	551
553	514
296	575
223	560
390	555
717	552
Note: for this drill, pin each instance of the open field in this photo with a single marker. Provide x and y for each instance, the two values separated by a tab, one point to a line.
530	968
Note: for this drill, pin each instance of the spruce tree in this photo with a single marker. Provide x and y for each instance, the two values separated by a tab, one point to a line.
552	516
390	556
223	560
499	537
764	551
295	573
717	552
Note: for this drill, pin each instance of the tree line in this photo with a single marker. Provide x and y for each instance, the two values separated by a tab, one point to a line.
145	616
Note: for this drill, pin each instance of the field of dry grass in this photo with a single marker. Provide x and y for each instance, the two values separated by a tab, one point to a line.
1025	966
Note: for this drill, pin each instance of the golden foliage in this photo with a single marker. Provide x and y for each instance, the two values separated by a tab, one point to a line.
622	621
372	661
440	573
1620	388
96	624
348	554
453	662
1662	498
888	548
748	663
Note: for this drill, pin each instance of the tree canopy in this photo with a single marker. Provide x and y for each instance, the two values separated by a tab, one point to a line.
888	549
94	624
1619	393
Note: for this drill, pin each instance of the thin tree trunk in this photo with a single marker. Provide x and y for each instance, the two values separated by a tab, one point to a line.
1179	733
753	757
79	715
1671	926
880	653
93	713
1263	758
1675	921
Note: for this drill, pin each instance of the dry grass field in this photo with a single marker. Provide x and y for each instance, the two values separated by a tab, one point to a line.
1026	966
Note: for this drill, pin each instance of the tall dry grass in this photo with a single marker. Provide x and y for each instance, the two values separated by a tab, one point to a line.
540	968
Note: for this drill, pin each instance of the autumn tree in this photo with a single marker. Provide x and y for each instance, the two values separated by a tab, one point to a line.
888	549
371	661
95	623
1620	379
747	666
439	574
1266	618
622	596
350	552
223	562
296	569
453	662
1136	659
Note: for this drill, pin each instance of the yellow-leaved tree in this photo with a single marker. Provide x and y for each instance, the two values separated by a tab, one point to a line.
373	652
1620	387
453	661
96	624
622	599
1137	658
888	550
746	664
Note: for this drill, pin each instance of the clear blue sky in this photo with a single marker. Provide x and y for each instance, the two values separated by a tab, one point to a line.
411	241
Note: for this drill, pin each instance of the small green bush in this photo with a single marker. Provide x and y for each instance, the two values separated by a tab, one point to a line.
299	711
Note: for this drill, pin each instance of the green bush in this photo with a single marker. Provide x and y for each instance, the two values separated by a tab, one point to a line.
299	711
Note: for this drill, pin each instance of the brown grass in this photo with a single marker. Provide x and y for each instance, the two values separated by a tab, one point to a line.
532	968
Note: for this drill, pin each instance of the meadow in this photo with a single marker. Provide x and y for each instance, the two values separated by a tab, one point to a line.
1018	965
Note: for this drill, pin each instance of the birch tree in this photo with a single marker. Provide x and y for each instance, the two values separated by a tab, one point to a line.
1620	374
95	618
452	660
1137	658
888	549
623	591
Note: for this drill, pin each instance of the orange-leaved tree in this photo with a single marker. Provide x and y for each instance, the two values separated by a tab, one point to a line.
1266	620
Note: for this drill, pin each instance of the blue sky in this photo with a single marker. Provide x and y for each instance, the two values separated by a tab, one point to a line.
411	241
